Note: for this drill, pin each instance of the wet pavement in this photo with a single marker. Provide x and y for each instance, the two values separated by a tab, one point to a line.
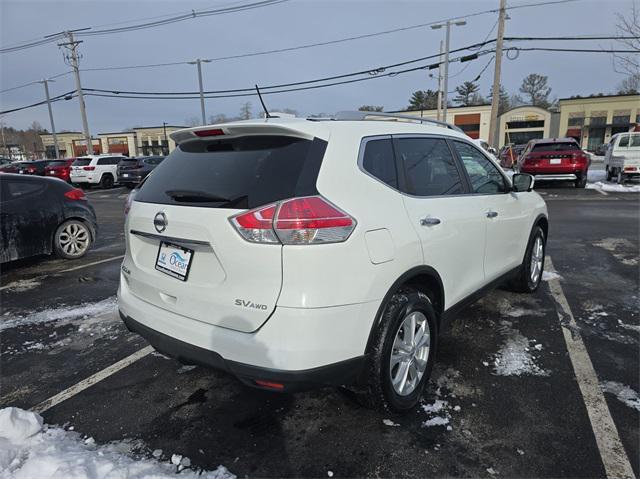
503	398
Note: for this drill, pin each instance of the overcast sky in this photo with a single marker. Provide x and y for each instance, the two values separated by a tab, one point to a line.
283	25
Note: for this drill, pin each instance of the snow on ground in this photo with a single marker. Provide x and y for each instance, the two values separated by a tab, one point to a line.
515	357
64	313
22	285
549	275
28	450
608	187
621	248
624	393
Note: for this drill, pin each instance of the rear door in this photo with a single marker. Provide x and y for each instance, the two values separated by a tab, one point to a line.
449	222
191	196
505	214
77	168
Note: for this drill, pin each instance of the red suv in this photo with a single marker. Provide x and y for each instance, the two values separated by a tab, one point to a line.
59	169
555	159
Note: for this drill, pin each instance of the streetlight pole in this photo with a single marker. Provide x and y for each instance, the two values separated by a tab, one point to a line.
164	129
445	93
495	91
45	82
439	110
199	62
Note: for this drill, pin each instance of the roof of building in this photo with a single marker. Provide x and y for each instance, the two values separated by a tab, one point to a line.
161	126
127	132
458	107
596	97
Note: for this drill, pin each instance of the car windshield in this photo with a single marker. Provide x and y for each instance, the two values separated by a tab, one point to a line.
556	146
236	173
82	162
129	162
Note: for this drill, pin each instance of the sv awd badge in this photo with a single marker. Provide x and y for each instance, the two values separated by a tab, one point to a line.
250	304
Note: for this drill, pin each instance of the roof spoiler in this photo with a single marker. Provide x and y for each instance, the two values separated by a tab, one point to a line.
231	130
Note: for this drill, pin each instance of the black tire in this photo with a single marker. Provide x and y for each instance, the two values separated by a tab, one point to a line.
76	232
609	173
524	281
106	182
380	393
581	180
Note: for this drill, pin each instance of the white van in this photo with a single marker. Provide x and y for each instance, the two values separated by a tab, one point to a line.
622	159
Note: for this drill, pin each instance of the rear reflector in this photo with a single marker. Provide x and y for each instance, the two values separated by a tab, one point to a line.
211	132
308	220
75	194
269	384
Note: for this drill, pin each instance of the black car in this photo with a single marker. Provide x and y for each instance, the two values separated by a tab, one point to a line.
131	171
35	167
44	216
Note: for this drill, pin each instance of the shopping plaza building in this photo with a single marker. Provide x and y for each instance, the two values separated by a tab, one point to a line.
592	121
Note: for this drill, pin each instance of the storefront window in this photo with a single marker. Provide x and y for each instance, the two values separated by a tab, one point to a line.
621	120
577	121
598	120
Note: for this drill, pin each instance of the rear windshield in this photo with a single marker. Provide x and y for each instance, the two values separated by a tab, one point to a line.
57	163
555	146
237	173
82	162
129	162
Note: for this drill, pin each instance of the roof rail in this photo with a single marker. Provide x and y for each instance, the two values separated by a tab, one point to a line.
363	115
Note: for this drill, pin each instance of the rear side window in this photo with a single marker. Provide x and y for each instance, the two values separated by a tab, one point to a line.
237	173
429	167
82	162
624	141
635	141
378	160
555	146
18	189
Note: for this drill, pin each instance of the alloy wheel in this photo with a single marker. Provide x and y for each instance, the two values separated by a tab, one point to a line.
537	257
74	239
410	353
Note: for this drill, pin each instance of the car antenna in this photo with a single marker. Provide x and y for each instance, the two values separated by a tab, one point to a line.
266	112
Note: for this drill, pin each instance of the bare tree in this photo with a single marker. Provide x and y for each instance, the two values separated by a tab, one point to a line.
371	108
628	26
192	121
535	87
245	111
630	85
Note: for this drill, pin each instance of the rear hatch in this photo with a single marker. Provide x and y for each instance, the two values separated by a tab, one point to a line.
193	193
56	167
78	167
129	167
558	156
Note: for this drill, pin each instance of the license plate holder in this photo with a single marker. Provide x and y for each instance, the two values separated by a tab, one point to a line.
174	260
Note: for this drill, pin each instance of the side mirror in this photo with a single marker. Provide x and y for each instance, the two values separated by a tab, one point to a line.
522	182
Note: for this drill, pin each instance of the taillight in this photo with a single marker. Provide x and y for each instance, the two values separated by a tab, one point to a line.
129	202
210	132
308	220
75	194
88	168
31	169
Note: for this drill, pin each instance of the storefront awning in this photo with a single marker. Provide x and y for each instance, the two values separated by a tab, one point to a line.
573	132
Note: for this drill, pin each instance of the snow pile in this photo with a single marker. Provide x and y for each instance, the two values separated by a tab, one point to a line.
623	393
28	450
613	187
515	357
549	275
65	313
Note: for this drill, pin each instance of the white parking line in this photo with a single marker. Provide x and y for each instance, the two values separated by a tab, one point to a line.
75	268
91	380
615	460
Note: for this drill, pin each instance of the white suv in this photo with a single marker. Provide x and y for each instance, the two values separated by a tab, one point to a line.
296	253
95	170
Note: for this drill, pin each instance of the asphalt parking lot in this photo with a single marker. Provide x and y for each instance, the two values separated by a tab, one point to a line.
510	395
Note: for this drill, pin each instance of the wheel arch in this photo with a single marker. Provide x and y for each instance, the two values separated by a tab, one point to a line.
424	279
543	222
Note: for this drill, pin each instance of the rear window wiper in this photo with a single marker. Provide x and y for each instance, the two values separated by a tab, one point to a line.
194	196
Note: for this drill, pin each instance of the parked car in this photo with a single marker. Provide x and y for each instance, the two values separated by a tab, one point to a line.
44	216
34	167
509	155
131	171
295	253
10	167
60	169
622	159
559	159
95	170
5	161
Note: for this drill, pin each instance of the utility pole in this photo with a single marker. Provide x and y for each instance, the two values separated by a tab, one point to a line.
439	111
164	129
72	59
495	91
45	82
445	92
4	143
199	62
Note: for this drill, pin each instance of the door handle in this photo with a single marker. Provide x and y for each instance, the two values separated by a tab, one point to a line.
492	214
429	221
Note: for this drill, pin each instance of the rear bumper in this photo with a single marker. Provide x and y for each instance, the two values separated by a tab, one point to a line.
300	348
337	374
556	177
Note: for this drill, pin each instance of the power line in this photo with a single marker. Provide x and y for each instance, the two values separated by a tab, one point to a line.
64	96
174	19
195	14
34	82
